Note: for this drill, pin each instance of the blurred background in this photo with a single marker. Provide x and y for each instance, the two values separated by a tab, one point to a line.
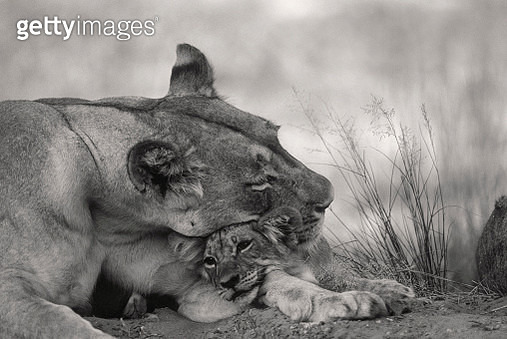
271	55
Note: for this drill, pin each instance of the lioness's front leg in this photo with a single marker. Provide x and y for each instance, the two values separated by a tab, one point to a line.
304	301
25	313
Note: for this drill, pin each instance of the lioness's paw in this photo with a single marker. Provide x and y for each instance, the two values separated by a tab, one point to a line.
295	303
392	289
347	305
317	304
398	297
136	307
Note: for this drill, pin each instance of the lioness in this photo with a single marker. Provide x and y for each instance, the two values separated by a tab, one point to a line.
80	179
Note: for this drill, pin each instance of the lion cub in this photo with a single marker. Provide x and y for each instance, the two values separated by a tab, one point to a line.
262	260
266	255
238	258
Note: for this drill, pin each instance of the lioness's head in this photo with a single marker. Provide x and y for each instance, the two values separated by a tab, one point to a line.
236	258
229	161
204	164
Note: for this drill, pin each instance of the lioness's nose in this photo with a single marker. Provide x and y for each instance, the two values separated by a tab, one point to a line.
326	196
321	208
229	282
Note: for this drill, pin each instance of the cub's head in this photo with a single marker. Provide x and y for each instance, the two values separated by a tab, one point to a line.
237	257
210	164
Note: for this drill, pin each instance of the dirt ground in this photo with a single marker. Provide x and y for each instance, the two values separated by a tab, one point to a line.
450	317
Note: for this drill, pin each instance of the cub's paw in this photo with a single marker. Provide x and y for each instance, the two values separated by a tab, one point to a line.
244	300
397	297
205	304
136	307
347	305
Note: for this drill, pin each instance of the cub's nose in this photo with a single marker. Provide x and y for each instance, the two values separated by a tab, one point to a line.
230	282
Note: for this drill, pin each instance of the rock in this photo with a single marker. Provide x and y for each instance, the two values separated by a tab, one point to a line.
491	252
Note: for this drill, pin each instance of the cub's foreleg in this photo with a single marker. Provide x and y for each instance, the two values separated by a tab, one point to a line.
163	265
201	302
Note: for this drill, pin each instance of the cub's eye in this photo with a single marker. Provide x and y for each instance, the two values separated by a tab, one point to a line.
244	245
210	262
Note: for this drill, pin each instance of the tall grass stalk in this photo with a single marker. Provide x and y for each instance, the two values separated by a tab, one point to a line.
402	231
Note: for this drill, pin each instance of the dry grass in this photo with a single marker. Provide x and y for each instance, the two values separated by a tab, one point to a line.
403	232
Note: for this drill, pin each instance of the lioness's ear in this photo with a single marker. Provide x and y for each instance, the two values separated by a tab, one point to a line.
191	74
163	168
280	225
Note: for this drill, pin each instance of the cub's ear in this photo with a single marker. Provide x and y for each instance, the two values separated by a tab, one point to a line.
191	74
188	249
161	167
281	225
